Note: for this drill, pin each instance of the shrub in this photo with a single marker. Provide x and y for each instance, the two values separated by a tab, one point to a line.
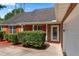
1	34
33	38
6	36
13	38
21	36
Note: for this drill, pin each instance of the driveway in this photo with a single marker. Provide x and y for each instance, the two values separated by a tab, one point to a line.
11	50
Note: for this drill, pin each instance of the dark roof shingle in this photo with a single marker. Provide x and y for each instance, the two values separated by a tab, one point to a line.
40	15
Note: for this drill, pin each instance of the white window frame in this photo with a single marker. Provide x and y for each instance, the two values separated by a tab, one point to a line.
46	32
57	33
33	27
11	29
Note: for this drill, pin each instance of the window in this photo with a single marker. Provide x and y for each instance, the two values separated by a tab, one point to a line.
12	29
54	32
37	27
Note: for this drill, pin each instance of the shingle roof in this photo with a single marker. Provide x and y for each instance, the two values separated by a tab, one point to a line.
40	15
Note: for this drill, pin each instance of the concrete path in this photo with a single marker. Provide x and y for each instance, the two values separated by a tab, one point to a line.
11	50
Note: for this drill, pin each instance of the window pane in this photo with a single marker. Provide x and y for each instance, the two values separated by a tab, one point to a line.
35	27
14	29
54	32
39	27
10	29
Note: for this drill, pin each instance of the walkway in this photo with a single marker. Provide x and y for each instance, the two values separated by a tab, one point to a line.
13	50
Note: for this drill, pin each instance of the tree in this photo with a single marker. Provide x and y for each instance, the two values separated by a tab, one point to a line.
2	6
1	20
13	13
19	10
8	15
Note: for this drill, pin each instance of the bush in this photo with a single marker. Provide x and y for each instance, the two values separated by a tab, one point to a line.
1	35
33	38
13	38
21	36
6	36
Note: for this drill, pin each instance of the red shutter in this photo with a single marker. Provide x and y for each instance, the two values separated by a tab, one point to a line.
6	29
17	29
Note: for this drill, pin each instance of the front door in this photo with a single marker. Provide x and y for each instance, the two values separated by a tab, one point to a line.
54	33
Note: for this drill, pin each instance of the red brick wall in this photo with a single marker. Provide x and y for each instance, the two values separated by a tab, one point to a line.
27	27
49	32
44	27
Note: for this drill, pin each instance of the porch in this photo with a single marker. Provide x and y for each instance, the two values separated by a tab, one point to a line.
53	31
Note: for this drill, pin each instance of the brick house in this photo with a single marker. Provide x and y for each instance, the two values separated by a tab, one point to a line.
41	19
61	25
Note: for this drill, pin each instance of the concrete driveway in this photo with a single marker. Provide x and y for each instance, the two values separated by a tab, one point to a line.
11	50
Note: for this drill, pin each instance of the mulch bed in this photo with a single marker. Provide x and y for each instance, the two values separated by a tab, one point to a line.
7	43
3	42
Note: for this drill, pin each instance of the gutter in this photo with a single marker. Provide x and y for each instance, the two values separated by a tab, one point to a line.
70	9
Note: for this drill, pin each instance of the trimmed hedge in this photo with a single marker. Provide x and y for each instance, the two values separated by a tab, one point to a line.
6	36
21	36
33	38
12	38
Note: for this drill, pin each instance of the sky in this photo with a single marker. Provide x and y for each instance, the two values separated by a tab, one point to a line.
28	7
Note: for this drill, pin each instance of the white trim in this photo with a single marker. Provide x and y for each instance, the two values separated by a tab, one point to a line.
22	28
37	26
33	27
57	32
12	29
23	23
46	32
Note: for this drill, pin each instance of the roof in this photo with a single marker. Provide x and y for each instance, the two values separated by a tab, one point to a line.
40	15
